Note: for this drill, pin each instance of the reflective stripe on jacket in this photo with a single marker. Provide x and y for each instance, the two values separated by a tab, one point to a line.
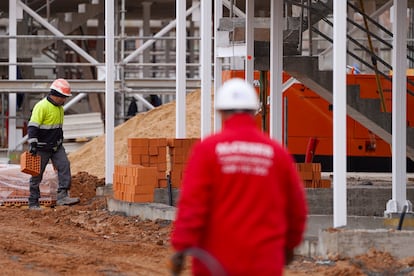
45	125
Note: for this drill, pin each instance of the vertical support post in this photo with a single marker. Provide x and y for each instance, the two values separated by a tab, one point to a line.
109	90
12	73
180	91
205	61
339	114
218	14
249	58
276	67
399	110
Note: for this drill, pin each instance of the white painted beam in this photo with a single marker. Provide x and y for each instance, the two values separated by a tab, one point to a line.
249	57
276	67
399	110
109	90
218	14
180	108
206	70
12	133
231	51
339	114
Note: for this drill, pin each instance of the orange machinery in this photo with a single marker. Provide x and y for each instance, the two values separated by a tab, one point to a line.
307	116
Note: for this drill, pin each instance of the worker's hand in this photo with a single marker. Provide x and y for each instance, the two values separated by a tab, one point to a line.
33	148
176	263
288	256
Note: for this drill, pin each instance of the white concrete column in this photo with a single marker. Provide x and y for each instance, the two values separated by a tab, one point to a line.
205	61
339	114
218	14
399	110
249	57
180	69
12	139
276	69
109	90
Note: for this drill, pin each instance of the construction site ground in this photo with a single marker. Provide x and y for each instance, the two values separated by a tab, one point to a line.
87	239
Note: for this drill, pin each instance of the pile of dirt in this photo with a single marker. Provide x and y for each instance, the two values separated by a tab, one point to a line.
156	123
84	186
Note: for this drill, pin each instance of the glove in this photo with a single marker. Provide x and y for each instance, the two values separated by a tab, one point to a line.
176	263
33	148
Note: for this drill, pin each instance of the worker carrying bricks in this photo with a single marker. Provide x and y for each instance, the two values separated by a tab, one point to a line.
242	204
45	139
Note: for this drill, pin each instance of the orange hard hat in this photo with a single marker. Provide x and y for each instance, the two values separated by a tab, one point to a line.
62	86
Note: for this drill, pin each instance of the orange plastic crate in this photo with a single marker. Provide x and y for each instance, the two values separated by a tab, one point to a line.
29	163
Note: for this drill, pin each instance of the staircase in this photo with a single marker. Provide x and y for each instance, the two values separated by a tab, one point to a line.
365	111
306	69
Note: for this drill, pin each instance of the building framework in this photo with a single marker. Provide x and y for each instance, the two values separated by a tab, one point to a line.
125	50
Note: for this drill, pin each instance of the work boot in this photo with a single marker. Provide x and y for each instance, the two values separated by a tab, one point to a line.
64	199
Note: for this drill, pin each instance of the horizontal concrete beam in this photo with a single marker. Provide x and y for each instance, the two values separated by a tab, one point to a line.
151	211
350	243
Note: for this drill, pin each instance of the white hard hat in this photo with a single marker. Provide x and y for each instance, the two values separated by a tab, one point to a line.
236	94
61	86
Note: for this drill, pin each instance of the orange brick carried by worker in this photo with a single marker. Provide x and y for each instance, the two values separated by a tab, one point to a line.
46	139
242	202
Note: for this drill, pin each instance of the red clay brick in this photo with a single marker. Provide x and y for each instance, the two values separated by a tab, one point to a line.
29	163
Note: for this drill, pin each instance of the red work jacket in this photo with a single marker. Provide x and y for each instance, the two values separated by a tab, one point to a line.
241	200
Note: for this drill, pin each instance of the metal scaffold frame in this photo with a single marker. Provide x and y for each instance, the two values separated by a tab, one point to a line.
111	71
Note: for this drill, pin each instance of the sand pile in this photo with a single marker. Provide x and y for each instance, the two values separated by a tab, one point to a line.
156	123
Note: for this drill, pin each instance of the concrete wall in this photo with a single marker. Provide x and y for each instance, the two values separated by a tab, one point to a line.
370	201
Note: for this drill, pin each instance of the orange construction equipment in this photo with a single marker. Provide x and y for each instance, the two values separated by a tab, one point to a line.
306	114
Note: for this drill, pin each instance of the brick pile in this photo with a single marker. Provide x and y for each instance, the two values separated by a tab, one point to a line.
311	175
150	162
14	186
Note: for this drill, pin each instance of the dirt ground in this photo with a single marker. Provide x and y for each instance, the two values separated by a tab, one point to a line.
86	239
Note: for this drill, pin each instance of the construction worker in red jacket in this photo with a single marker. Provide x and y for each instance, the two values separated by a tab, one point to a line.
46	139
242	204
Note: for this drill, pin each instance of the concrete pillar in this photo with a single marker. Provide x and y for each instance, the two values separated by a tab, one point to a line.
399	111
276	67
218	14
205	68
110	93
339	115
180	91
12	134
249	57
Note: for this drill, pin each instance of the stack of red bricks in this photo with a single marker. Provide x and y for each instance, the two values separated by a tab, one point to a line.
150	160
14	186
179	150
150	152
311	175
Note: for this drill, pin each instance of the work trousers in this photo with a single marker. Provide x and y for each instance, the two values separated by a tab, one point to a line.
61	163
